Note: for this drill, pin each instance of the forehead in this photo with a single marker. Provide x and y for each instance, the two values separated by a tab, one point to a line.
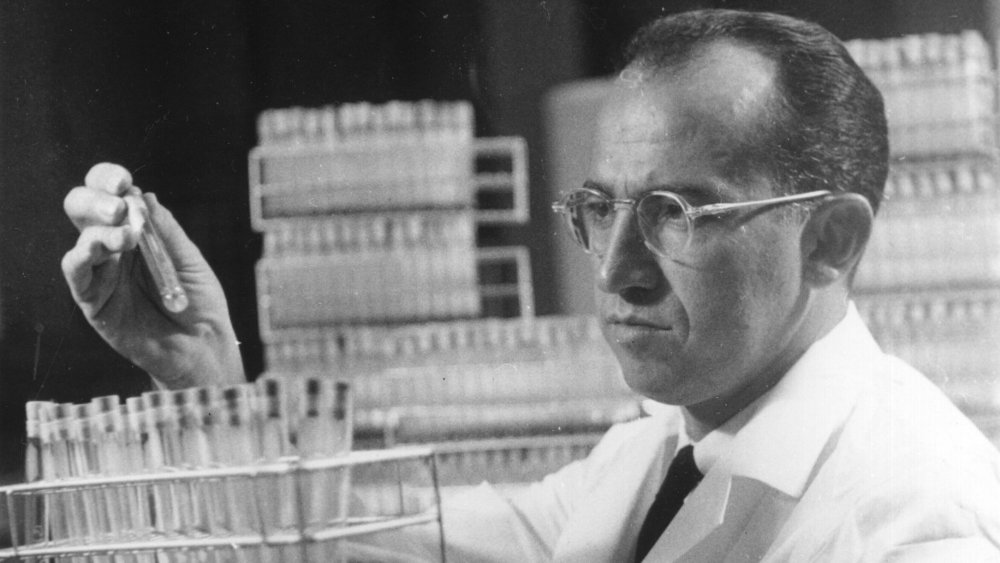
682	127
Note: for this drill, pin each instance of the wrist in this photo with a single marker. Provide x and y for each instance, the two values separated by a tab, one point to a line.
214	361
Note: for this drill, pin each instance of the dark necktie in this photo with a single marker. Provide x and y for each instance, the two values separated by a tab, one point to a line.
682	477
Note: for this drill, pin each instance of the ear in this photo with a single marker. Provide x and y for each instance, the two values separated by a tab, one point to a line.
834	238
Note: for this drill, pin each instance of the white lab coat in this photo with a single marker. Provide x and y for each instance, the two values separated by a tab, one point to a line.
853	456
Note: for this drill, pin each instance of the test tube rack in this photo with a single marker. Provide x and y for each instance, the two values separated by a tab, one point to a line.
937	228
352	291
949	335
470	379
369	214
940	92
253	472
929	284
410	497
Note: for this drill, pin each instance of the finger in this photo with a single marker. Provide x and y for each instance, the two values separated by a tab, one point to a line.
95	246
138	213
110	178
79	274
86	207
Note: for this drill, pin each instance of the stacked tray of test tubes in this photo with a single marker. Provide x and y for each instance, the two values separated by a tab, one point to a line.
372	271
929	285
257	472
369	215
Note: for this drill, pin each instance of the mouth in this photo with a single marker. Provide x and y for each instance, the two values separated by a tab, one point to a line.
635	323
634	333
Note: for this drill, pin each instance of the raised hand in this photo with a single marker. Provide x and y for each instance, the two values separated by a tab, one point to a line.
114	289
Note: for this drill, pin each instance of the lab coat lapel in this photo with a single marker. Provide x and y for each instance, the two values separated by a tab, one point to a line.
726	518
608	529
703	511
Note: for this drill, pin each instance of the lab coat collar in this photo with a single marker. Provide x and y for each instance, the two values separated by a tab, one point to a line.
783	440
772	457
626	500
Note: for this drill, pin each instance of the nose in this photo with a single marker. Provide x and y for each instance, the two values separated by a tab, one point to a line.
627	267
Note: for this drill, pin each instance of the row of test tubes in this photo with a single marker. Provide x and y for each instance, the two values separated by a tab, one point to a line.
954	307
967	49
398	155
432	344
948	335
336	124
371	232
936	229
940	91
400	286
949	242
271	421
942	179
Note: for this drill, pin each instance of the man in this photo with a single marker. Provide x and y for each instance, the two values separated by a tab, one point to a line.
737	169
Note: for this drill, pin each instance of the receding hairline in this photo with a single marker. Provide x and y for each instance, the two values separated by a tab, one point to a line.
769	107
828	126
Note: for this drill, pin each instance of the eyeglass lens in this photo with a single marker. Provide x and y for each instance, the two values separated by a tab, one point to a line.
661	217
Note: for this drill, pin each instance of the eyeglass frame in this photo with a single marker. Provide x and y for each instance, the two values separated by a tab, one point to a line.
691	212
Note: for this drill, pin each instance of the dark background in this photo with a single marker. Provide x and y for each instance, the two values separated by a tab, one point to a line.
172	89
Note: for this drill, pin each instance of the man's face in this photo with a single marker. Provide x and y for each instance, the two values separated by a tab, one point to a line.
714	323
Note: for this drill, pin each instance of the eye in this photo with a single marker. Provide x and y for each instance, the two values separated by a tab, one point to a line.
662	210
593	209
598	208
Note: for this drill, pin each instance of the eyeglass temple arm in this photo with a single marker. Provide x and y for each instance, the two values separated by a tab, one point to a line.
717	208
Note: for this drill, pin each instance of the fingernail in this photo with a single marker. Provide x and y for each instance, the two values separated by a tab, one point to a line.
109	176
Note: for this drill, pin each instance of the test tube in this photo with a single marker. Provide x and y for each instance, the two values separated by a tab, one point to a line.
138	496
193	453
78	436
164	453
273	419
160	266
343	441
238	449
315	433
58	512
107	429
205	444
35	506
343	418
277	492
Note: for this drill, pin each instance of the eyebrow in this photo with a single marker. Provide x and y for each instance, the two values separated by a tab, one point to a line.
695	191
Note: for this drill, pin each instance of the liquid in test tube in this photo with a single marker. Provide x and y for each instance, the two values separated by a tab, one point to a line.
162	269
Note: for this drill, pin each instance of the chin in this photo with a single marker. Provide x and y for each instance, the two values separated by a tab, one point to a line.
654	382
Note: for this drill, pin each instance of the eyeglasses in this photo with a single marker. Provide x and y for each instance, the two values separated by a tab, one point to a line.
665	219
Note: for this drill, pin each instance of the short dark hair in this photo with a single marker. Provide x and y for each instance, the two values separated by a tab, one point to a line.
827	128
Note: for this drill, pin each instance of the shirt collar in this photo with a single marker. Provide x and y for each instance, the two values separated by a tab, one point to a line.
816	393
716	443
799	414
803	410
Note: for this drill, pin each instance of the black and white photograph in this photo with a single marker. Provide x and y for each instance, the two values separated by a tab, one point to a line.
499	281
